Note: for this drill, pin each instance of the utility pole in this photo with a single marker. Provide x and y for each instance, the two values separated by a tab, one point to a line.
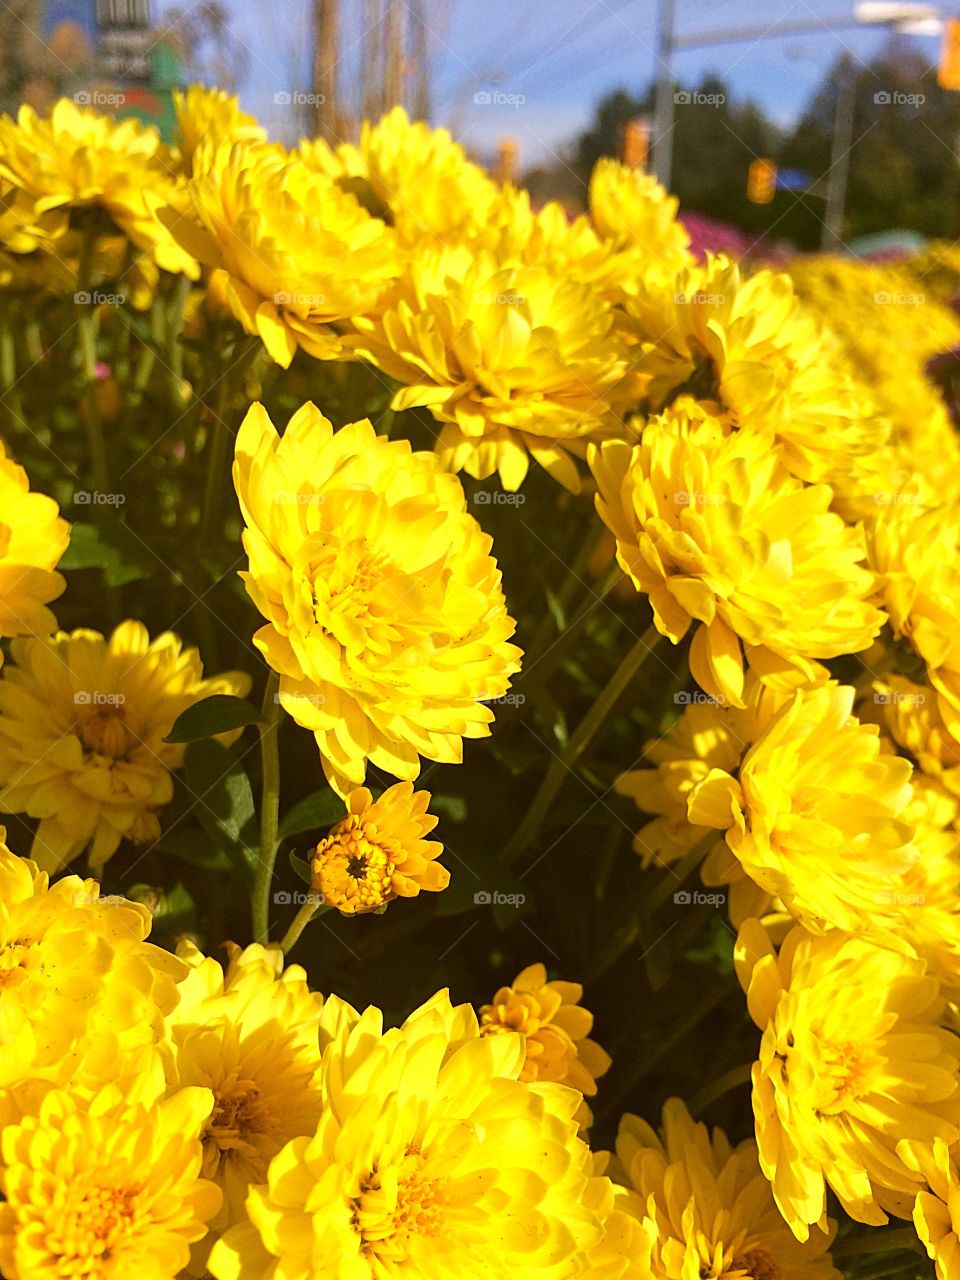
663	101
326	51
840	158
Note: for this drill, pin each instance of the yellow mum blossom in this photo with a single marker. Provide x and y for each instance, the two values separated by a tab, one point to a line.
816	814
417	178
377	853
83	994
708	736
32	539
290	253
624	1252
250	1036
104	1189
555	1028
385	614
716	532
517	361
708	1207
853	1059
77	159
751	346
204	113
631	209
911	715
432	1158
83	720
936	1214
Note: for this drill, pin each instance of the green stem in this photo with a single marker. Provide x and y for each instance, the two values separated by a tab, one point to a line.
583	735
310	909
269	809
876	1242
711	1092
676	873
87	336
221	441
8	366
181	293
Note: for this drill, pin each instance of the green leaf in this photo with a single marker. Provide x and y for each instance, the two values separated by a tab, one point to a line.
108	545
320	809
194	846
302	867
222	798
220	713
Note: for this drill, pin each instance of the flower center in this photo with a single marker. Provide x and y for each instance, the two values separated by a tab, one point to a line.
105	733
352	870
846	1067
755	1264
236	1118
397	1205
15	957
98	1224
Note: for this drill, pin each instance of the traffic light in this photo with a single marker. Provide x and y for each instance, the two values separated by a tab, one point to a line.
761	181
948	72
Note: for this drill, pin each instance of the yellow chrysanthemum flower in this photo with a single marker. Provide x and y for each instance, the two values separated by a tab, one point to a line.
417	178
291	253
205	113
378	852
104	1189
250	1036
77	159
555	1029
853	1059
751	346
631	209
936	1214
707	1206
716	532
32	539
708	736
516	360
911	715
431	1158
84	995
816	814
83	720
385	614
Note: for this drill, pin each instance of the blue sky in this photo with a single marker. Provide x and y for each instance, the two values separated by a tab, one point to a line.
551	60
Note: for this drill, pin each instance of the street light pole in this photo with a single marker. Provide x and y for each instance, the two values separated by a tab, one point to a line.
663	100
840	159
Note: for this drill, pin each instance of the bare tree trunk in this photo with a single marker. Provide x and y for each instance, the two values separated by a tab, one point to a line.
371	75
394	50
326	51
418	82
